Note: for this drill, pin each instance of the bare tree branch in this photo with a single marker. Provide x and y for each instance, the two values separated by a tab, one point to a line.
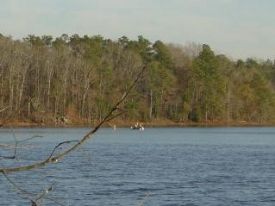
86	137
15	149
30	138
19	142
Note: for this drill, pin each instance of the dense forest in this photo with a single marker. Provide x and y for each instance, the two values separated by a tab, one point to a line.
79	78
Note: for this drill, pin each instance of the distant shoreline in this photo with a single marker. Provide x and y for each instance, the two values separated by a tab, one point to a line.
128	124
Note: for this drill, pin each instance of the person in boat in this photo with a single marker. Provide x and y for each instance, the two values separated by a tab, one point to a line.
137	126
141	128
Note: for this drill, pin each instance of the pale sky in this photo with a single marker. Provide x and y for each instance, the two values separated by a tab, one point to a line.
237	28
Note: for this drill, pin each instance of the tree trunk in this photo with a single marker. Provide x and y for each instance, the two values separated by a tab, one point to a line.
151	104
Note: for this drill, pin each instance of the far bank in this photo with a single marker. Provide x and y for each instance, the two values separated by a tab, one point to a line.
129	123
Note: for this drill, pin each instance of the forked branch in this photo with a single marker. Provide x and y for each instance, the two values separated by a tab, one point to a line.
55	158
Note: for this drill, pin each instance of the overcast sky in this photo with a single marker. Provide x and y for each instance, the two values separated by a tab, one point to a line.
237	28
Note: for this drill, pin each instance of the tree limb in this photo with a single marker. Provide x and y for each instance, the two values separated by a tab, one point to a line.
54	159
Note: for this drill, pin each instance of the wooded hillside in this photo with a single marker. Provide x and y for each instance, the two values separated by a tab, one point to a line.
44	78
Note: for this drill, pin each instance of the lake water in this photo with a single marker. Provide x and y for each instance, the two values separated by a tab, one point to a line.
156	167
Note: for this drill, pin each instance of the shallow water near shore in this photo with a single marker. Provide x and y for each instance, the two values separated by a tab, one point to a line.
158	166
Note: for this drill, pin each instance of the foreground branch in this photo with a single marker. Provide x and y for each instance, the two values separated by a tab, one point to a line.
53	159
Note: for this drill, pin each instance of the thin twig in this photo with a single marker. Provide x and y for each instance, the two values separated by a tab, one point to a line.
15	149
59	145
28	195
16	143
21	191
30	138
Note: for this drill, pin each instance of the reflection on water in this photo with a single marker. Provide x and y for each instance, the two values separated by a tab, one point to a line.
159	166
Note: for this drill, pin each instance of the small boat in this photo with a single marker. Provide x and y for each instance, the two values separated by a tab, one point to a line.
137	126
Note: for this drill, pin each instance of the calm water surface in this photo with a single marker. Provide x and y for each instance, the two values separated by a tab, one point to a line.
159	166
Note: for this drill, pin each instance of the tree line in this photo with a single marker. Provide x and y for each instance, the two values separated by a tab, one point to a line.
79	77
